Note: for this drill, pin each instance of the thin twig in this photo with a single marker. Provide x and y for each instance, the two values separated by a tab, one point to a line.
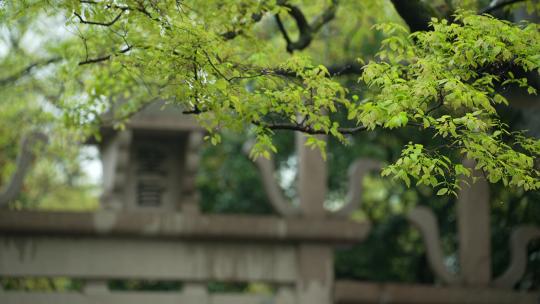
101	23
439	104
106	57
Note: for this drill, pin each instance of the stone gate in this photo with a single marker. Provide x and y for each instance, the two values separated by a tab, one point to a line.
150	228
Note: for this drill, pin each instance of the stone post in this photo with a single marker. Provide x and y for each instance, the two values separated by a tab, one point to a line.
311	178
315	262
474	232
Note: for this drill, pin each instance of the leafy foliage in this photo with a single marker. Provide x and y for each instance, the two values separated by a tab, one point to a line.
444	81
125	54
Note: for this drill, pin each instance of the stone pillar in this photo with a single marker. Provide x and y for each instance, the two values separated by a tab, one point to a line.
285	295
315	274
195	293
190	195
95	287
312	174
474	231
315	262
115	153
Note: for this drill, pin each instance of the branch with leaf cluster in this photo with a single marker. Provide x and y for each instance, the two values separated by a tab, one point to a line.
450	85
439	80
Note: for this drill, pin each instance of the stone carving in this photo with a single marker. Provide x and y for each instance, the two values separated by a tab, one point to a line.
274	193
312	183
424	219
521	236
116	156
190	196
474	240
24	161
316	277
357	171
152	164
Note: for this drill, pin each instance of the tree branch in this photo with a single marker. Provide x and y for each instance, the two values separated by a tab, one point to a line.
232	34
325	17
306	30
106	57
24	160
439	104
418	15
27	70
499	5
348	68
101	23
282	29
309	130
415	13
351	68
141	9
301	127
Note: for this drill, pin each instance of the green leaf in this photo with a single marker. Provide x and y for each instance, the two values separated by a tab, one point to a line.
442	191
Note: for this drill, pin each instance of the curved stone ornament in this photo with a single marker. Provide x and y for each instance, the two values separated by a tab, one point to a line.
272	189
23	163
424	219
312	182
474	239
275	195
357	171
521	236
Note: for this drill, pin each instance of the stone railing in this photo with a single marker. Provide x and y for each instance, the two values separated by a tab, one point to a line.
295	256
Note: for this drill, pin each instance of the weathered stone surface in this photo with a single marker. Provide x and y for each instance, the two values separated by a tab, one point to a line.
152	164
521	236
178	226
136	298
473	230
424	220
190	194
115	156
315	278
275	194
312	178
349	292
151	259
473	234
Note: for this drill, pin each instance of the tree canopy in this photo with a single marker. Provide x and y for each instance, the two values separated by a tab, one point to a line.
297	65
